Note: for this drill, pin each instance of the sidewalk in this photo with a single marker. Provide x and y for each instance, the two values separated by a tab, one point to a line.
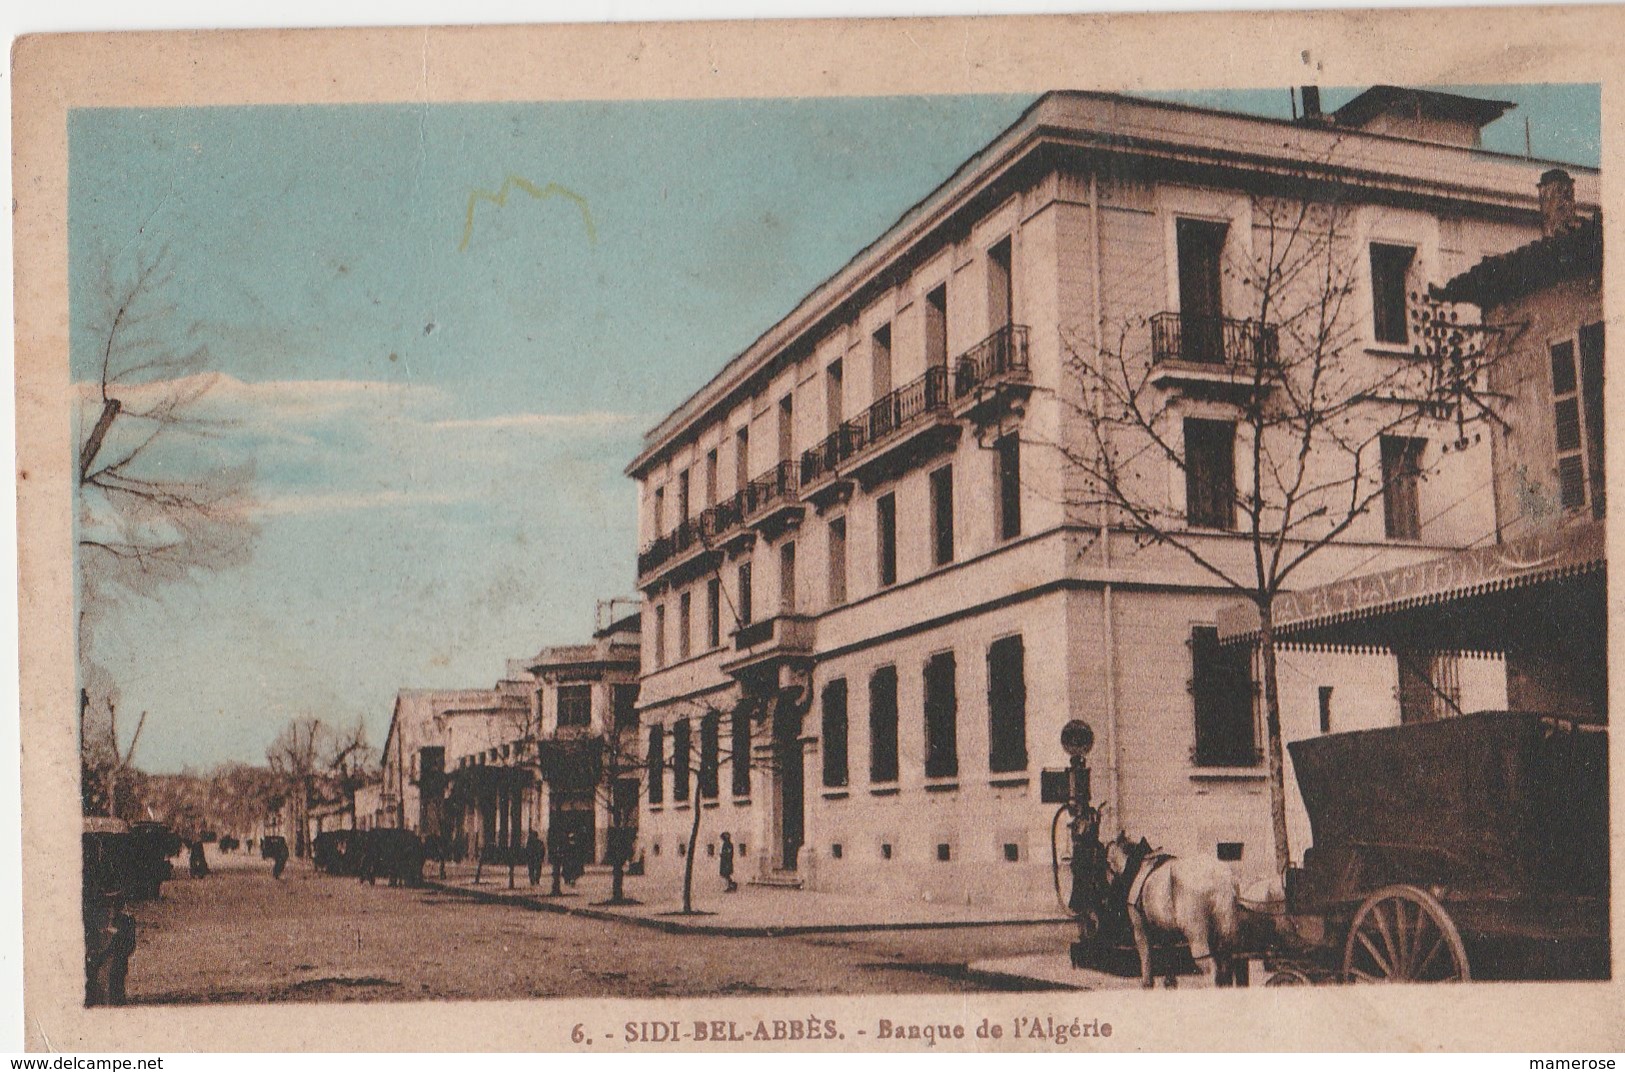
1056	968
751	911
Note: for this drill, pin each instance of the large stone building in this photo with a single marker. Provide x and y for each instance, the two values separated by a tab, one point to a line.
876	583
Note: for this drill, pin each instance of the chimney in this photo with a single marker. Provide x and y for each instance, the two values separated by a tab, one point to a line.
1311	103
1556	202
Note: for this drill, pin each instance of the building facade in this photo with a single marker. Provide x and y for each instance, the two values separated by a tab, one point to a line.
876	583
585	699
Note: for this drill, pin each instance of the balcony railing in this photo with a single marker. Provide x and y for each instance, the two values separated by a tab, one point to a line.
1002	353
777	485
1233	345
887	417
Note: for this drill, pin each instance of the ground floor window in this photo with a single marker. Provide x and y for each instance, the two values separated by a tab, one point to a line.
1007	705
739	745
680	747
657	764
941	717
1222	688
883	725
710	755
834	735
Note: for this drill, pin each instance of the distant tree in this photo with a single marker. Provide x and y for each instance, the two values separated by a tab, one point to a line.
295	758
153	503
349	761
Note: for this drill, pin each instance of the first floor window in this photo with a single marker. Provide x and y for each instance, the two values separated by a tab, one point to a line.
834	735
837	562
685	606
1008	473
744	594
886	539
713	613
941	717
787	578
1390	270
1402	487
883	725
660	636
942	516
1222	687
1210	473
1578	412
575	705
624	699
1007	705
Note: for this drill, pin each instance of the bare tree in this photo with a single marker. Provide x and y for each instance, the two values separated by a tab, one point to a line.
348	759
1290	388
618	788
295	757
104	765
154	504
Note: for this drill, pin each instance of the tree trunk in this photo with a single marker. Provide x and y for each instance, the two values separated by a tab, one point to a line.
688	865
1272	732
617	890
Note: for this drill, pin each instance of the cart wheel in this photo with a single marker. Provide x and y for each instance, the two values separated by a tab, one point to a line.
1402	934
1289	977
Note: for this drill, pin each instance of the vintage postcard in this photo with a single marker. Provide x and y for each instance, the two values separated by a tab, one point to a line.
842	535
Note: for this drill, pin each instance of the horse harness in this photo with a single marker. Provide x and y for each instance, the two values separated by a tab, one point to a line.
1141	864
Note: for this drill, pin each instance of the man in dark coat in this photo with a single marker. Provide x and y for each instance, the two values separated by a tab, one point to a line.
725	863
574	864
279	857
197	864
535	857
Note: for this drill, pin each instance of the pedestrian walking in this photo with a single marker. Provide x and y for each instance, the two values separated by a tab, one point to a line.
573	863
196	863
279	857
535	857
725	863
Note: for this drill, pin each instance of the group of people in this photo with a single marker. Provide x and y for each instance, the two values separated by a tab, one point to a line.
566	849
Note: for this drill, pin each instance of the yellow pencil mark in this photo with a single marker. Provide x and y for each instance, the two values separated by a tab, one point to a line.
542	193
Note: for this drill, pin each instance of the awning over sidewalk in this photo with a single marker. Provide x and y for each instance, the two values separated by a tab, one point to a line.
1548	587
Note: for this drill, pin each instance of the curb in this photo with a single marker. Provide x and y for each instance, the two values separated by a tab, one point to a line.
724	930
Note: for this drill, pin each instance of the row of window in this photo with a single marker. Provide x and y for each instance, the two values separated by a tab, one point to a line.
1221	685
1210	479
1007	478
1200	251
1007	730
575	705
1200	246
1001	307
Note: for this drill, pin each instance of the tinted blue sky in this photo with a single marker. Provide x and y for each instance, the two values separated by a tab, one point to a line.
441	428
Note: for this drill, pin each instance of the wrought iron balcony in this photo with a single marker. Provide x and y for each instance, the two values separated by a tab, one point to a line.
887	421
1002	354
1234	345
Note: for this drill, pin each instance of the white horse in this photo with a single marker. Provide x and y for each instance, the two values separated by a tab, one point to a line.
1171	895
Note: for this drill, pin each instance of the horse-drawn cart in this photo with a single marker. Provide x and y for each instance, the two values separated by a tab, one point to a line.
1470	847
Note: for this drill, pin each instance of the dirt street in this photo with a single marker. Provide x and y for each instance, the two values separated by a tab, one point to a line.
242	936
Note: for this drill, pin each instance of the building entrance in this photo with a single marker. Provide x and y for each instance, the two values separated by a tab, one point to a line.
789	790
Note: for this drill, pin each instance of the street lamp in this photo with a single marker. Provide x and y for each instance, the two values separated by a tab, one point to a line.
1078	739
